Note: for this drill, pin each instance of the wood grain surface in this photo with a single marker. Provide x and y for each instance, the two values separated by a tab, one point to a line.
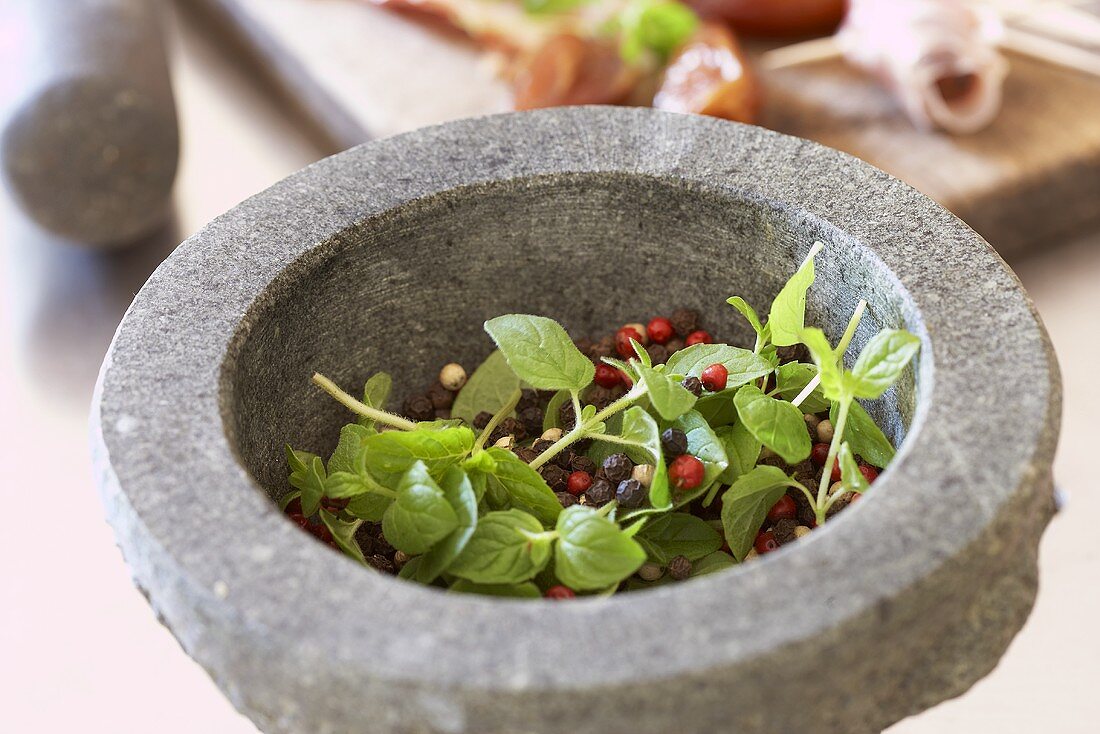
358	72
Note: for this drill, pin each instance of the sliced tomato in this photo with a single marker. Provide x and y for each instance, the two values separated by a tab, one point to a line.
709	75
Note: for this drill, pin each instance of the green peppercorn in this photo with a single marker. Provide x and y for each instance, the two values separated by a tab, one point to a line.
674	442
630	494
679	568
693	385
617	467
600	493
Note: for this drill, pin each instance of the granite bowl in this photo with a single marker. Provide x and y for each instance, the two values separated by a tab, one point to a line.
391	255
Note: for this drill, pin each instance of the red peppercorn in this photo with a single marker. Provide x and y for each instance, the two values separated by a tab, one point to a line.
714	377
819	454
836	475
559	592
869	473
299	519
622	341
607	376
294	507
625	379
579	482
698	337
686	472
765	542
660	330
785	509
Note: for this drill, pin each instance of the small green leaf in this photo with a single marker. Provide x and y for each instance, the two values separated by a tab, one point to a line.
717	561
350	446
851	478
788	312
540	352
741	364
667	396
510	482
748	312
526	590
459	493
641	431
864	436
833	385
488	389
552	418
717	407
421	516
307	474
792	378
392	453
746	503
775	423
287	498
376	392
882	361
592	551
343	533
742	451
678	534
369	506
502	550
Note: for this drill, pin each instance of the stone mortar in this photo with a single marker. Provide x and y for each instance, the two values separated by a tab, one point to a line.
390	256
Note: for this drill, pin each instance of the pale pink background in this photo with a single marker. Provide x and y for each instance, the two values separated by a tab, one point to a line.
80	649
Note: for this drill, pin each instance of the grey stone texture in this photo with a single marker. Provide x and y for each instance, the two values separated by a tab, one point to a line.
391	255
91	147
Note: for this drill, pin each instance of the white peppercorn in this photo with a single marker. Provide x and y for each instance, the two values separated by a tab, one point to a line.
452	376
802	531
640	328
825	431
551	434
650	572
643	473
505	442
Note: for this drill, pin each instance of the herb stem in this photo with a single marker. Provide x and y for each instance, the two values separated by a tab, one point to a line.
496	420
361	408
850	331
580	430
834	448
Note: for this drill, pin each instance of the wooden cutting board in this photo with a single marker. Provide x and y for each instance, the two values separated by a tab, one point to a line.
1029	180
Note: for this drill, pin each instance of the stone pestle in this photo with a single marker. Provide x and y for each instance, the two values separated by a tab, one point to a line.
90	147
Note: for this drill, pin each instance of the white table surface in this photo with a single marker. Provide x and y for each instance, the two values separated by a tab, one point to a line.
80	649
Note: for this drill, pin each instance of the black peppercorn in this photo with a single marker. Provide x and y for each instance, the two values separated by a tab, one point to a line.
566	499
605	347
583	463
601	397
482	419
617	467
599	493
784	531
515	428
364	538
381	563
443	415
685	320
674	345
565	459
525	454
793	353
674	442
555	476
658	353
566	415
419	408
584	345
532	420
693	385
527	399
631	493
381	545
440	396
679	568
541	445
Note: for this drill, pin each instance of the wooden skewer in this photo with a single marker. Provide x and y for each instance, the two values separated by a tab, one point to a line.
804	52
1051	51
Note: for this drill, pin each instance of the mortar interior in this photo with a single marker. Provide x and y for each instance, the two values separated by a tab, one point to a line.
409	290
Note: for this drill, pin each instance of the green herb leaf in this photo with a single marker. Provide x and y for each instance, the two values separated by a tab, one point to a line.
881	362
743	366
369	506
717	561
746	503
748	312
343	533
851	478
307	474
353	438
864	436
389	455
552	418
376	392
459	492
742	451
540	352
502	549
775	423
287	498
526	590
678	534
792	378
702	443
667	396
592	551
421	516
488	389
833	384
717	407
510	482
788	312
641	431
